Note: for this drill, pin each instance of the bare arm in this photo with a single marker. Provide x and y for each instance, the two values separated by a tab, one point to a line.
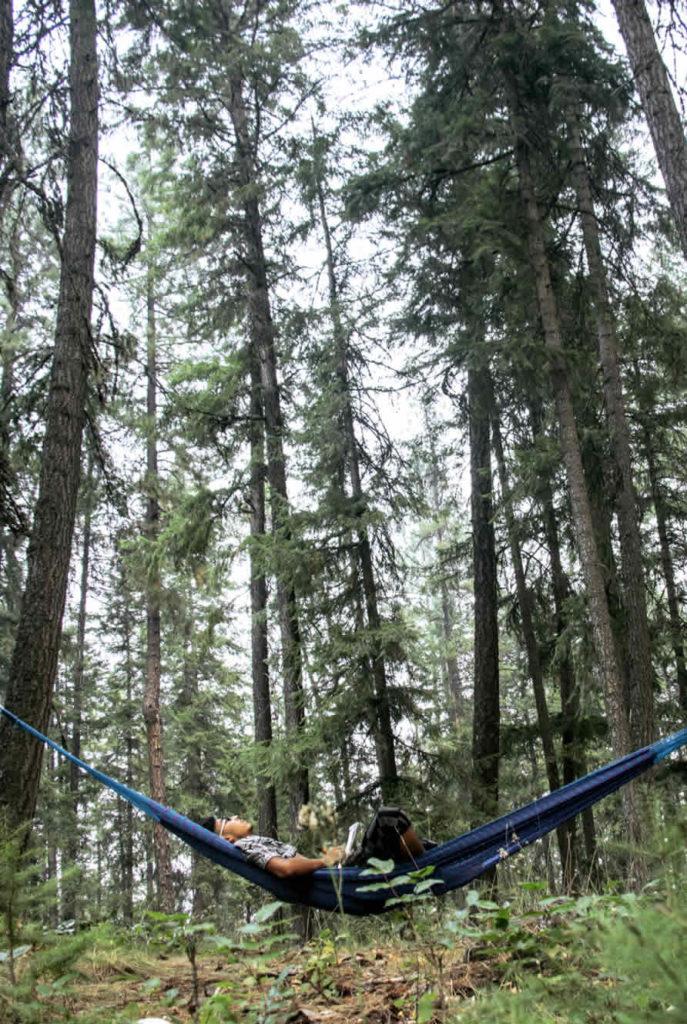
411	843
292	867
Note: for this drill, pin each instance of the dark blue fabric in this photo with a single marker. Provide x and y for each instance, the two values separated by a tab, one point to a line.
456	862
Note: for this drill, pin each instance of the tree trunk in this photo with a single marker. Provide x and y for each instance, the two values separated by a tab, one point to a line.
570	450
262	335
486	713
262	701
34	659
599	490
53	867
151	697
383	728
534	768
193	783
7	143
71	887
564	834
127	894
641	705
573	761
12	525
674	616
450	661
658	103
453	680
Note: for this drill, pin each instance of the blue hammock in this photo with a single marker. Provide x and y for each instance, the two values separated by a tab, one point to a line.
455	863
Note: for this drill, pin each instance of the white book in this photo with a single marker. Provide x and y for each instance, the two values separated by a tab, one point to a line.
352	835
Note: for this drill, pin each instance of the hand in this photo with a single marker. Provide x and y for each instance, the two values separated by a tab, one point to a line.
332	855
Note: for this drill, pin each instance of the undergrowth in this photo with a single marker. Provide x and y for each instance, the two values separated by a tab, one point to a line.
611	958
602	960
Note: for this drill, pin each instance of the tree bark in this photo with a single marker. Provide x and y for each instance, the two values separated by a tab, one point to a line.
570	450
564	834
34	659
71	887
658	104
641	706
7	142
12	526
151	696
572	759
382	724
262	701
674	615
486	714
7	161
451	671
262	335
193	783
127	894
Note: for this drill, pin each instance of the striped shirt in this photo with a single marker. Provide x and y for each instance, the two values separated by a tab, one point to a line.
259	850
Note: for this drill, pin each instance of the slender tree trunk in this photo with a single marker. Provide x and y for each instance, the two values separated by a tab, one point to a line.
573	760
486	714
450	661
9	519
453	680
193	783
534	768
151	697
384	735
564	834
674	616
658	103
149	849
34	660
73	839
599	489
262	335
383	727
12	526
641	706
262	701
127	894
572	459
7	142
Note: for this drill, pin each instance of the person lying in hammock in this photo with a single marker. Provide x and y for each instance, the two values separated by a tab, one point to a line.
390	835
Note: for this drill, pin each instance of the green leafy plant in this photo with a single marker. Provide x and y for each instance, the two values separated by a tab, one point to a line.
177	932
420	880
36	964
260	941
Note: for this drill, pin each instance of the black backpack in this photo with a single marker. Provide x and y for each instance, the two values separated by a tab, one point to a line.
382	838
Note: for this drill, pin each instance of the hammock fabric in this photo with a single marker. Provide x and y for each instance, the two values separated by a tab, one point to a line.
455	863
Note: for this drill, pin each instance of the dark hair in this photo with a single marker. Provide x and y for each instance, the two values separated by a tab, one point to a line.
208	823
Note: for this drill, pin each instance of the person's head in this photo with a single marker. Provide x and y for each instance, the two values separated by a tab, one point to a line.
230	829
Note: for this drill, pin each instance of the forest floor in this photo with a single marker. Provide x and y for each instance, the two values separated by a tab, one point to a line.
593	959
376	985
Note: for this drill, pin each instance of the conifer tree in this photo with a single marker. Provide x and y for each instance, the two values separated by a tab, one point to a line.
634	591
263	340
658	104
243	78
363	568
486	715
34	659
531	642
262	699
152	712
